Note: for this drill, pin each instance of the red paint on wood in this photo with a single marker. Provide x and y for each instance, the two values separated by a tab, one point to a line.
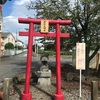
26	94
38	21
67	35
1	96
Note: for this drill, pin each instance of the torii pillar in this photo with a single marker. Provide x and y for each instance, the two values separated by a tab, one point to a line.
27	95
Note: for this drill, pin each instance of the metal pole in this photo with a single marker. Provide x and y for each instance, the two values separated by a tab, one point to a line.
0	29
35	44
58	61
29	59
16	44
0	47
37	49
58	95
80	83
27	95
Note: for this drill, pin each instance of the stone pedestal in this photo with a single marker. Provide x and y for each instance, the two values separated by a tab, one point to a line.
44	77
44	81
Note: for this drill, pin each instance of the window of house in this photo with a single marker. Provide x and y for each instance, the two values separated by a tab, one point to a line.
0	27
2	43
3	38
8	39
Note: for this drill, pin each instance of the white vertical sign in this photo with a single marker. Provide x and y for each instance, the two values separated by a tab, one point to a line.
80	60
80	56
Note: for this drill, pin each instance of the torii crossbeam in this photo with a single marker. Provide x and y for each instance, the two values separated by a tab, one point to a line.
26	95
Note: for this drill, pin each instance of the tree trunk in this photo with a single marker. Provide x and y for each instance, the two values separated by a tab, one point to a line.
88	59
87	68
86	72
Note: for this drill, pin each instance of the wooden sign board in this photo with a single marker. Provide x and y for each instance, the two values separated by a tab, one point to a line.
44	26
80	56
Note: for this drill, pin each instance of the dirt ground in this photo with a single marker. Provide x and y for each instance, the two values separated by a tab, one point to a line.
70	89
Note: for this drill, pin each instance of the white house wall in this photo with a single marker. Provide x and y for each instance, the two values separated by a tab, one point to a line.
9	38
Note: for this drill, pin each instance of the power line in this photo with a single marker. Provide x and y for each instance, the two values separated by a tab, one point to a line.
6	29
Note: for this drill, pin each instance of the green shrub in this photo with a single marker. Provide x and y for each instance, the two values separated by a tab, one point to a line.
46	52
49	47
19	47
66	53
54	53
50	52
9	45
41	52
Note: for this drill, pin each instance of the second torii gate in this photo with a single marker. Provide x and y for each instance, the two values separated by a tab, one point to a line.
27	95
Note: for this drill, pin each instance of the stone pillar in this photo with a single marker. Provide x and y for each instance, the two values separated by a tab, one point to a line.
44	75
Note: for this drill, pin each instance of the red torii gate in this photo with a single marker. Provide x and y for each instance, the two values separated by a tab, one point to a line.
27	95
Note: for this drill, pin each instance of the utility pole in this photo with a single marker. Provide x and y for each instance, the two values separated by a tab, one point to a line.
35	44
0	29
16	44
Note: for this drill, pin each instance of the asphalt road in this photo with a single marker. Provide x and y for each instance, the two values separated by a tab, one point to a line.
12	66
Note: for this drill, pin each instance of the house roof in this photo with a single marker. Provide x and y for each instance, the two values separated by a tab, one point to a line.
5	34
19	41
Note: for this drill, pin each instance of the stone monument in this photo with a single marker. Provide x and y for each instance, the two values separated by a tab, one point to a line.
44	74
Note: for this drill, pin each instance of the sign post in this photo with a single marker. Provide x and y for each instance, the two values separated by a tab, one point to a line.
80	83
26	95
80	59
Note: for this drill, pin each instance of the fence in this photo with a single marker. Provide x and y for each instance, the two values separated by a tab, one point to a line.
94	63
12	52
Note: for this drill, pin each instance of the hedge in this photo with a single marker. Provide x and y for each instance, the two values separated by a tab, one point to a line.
54	53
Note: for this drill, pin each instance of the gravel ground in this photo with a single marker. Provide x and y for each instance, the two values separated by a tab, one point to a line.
69	89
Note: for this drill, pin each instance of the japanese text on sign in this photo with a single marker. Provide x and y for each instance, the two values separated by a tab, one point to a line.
80	56
44	26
